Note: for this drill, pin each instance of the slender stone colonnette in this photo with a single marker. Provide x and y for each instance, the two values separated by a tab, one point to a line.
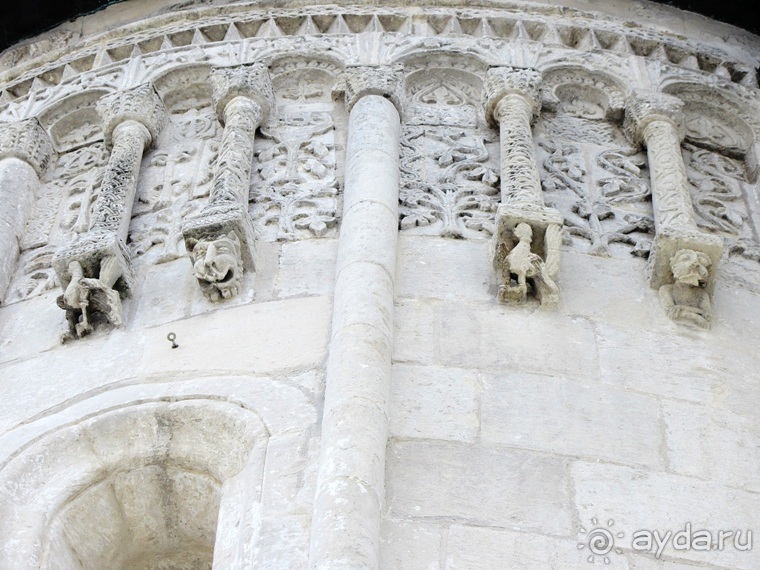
221	239
528	235
683	262
95	271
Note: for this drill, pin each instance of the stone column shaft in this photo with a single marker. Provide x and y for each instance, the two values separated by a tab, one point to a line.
520	180
113	206
655	120
351	486
25	153
221	239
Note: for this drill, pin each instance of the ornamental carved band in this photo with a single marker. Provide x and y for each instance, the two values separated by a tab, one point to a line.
221	239
683	261
27	141
360	81
95	271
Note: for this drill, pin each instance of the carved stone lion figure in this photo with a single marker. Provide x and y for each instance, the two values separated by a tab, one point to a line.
218	265
686	300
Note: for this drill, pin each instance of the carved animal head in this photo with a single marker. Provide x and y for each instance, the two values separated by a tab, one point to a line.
691	267
218	265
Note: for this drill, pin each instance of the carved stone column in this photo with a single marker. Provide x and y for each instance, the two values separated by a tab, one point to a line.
528	235
351	486
683	260
95	271
25	153
221	240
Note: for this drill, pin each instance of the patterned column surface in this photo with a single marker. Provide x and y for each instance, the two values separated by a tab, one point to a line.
25	154
683	261
221	239
528	234
96	270
350	487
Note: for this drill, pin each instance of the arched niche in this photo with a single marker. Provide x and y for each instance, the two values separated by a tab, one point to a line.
150	485
444	89
300	81
716	121
583	93
74	122
184	88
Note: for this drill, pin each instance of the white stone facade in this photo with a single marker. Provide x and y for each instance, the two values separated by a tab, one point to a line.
339	286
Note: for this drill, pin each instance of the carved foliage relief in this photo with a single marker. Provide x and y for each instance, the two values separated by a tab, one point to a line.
295	189
175	177
62	210
449	159
589	171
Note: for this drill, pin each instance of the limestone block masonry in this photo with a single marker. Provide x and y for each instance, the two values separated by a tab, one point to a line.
380	287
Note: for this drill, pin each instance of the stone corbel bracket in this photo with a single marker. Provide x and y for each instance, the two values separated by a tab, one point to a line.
528	235
683	262
95	271
221	239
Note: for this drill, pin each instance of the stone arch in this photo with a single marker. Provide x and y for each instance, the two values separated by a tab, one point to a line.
583	93
185	87
716	120
73	121
444	89
135	486
302	79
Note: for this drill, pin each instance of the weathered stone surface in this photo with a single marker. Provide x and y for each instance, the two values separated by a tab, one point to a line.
433	402
570	418
307	267
474	548
443	269
407	544
667	502
508	488
492	337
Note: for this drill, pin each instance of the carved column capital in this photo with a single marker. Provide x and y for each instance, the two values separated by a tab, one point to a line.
504	81
251	82
141	104
361	80
643	108
27	141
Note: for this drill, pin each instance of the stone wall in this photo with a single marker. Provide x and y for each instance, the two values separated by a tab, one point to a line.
347	287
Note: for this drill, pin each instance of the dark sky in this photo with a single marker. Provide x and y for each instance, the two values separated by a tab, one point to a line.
24	18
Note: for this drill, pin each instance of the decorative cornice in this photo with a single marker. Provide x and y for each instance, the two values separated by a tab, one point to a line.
644	107
249	81
503	81
28	141
386	81
141	104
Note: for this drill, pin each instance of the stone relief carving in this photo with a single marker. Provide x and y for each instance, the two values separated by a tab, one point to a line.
449	186
62	210
687	301
602	194
297	193
177	176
